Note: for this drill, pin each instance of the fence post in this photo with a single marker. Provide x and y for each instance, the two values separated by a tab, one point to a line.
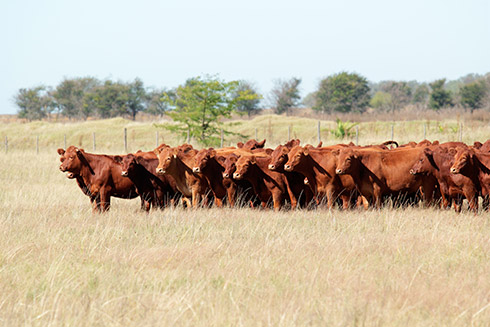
6	144
64	139
357	134
289	132
425	131
37	144
255	133
221	143
125	140
93	138
460	132
157	139
318	131
392	131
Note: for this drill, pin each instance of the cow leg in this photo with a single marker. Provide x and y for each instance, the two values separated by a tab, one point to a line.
218	202
486	203
231	193
277	200
96	203
196	198
105	200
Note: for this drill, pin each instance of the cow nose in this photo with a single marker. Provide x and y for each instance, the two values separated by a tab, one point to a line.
196	169
61	168
124	173
287	167
236	175
338	171
412	171
160	171
226	175
454	171
306	182
272	167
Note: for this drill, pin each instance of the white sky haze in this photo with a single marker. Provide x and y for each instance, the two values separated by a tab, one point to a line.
166	42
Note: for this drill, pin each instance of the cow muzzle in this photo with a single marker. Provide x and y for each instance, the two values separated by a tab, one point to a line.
62	169
70	175
124	173
160	171
237	176
226	175
454	170
272	167
196	169
339	171
288	168
412	172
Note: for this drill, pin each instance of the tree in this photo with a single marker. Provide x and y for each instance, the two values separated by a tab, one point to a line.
439	97
70	96
109	99
34	103
342	92
381	101
400	94
473	94
155	102
248	98
421	95
136	97
198	107
285	95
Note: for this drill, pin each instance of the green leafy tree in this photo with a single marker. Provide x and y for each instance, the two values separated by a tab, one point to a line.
34	103
199	105
70	96
156	103
108	100
343	129
439	97
421	95
342	92
473	95
285	95
136	97
381	101
248	99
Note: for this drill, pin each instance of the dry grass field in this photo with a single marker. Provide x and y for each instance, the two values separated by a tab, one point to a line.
60	265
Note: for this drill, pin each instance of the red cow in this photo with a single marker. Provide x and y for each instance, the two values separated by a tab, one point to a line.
101	176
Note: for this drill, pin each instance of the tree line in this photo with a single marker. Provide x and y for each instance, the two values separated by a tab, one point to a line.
83	97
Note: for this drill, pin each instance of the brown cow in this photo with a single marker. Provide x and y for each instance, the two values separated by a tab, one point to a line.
266	184
299	191
100	174
318	168
206	164
473	164
380	172
157	191
177	162
251	144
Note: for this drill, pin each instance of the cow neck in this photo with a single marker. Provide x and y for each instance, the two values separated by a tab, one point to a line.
213	172
257	176
312	171
178	170
87	172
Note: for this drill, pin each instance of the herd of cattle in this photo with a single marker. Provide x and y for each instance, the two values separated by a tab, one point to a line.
289	176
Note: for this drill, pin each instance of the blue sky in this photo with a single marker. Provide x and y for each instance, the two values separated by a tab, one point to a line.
166	42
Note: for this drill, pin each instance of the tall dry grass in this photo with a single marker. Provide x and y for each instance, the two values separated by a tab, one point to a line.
60	265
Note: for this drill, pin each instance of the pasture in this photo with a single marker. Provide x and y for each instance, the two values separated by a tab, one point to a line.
62	265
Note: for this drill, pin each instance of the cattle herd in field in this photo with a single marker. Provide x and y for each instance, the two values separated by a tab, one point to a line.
289	176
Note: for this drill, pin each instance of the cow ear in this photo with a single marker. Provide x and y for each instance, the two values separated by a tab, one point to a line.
261	143
212	153
428	152
269	151
118	159
285	150
252	160
61	151
306	151
336	152
452	151
221	159
356	154
239	145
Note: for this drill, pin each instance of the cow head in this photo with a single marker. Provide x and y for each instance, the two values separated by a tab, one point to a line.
230	164
279	157
347	160
166	159
251	144
202	158
128	164
71	160
462	158
296	157
243	165
425	163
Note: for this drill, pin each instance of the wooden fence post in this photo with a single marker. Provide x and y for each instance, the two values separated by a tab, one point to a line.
93	138
425	131
157	139
357	134
64	139
189	135
289	132
125	140
318	132
222	138
392	131
37	144
255	133
460	132
6	144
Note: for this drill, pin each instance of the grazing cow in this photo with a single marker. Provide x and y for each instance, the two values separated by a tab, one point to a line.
380	172
266	184
177	162
206	164
318	168
100	174
298	190
157	191
473	164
